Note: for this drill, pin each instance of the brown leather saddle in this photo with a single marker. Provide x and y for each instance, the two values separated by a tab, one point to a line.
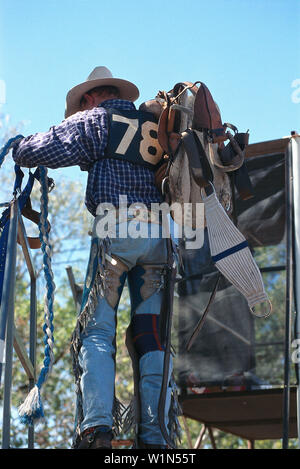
206	119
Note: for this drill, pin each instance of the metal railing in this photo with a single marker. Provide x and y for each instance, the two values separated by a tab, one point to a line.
17	233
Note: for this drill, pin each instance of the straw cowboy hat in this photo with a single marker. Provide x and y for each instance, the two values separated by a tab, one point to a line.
100	76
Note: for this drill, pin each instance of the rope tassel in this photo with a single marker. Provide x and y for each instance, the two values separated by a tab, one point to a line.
32	408
232	256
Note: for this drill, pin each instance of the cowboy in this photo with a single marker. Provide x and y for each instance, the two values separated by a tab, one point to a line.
105	135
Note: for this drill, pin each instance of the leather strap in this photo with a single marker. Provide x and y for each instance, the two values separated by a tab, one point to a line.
167	119
199	165
184	86
160	174
25	203
165	127
200	323
166	314
207	115
243	183
232	157
34	216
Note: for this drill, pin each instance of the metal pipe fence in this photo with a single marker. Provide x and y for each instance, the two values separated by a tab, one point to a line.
17	233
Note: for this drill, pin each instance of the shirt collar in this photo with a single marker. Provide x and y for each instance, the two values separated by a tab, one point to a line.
117	103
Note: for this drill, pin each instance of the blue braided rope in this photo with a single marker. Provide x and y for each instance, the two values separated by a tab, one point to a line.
8	146
32	408
48	327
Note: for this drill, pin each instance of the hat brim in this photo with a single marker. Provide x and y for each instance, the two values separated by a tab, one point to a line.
128	91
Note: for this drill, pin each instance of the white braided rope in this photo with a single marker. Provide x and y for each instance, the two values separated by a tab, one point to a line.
47	251
238	267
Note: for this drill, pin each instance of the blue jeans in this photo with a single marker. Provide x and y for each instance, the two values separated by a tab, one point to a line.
97	354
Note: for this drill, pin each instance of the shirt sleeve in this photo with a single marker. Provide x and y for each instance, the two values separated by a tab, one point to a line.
79	140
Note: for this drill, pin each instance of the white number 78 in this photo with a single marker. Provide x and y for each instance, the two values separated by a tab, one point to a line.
147	140
133	125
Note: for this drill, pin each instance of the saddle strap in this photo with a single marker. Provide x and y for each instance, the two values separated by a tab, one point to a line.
165	335
165	127
34	216
196	154
207	115
200	323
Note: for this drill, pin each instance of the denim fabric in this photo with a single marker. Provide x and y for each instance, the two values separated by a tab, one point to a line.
98	349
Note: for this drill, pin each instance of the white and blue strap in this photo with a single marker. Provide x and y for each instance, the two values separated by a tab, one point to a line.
232	256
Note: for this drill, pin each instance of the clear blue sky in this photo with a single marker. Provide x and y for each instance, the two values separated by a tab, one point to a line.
246	51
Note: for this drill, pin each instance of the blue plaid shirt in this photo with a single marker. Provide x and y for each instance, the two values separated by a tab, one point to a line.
81	140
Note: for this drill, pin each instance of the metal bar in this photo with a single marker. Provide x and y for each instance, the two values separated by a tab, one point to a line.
22	354
13	339
200	437
8	304
211	437
265	344
25	247
32	348
275	268
76	291
298	411
296	251
198	276
251	444
249	423
187	431
288	298
33	314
